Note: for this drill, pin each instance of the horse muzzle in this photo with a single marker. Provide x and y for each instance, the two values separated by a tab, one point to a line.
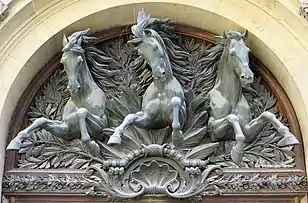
74	89
246	80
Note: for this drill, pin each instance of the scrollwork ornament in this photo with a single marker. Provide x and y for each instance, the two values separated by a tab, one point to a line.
151	176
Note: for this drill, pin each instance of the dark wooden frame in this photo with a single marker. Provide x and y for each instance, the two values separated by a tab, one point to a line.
20	120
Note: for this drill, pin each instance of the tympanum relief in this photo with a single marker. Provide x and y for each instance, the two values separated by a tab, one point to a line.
160	113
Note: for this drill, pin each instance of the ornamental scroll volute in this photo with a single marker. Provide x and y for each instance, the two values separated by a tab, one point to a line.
161	113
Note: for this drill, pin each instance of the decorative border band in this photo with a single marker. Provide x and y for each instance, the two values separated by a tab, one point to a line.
232	183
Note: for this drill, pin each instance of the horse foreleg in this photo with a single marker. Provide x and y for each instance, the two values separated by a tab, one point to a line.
223	124
55	127
177	135
115	138
141	119
255	127
91	145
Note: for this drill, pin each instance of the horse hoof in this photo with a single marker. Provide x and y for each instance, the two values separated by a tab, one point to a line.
288	139
14	145
93	148
177	139
114	139
237	156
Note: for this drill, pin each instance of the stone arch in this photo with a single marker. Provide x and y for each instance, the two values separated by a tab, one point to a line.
32	35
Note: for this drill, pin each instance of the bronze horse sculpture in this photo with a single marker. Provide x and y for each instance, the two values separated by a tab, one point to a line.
163	102
230	113
85	112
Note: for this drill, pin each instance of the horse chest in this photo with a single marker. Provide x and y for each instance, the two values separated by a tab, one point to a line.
81	102
157	101
243	110
86	103
164	101
220	106
164	107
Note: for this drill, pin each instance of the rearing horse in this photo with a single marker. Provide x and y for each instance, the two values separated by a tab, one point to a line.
230	113
163	102
84	113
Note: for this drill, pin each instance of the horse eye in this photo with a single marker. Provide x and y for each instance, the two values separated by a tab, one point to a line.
232	52
147	32
79	58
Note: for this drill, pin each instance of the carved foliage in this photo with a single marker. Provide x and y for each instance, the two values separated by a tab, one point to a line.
12	183
202	62
53	98
119	73
145	162
45	151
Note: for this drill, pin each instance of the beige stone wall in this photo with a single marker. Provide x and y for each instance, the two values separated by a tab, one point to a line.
31	35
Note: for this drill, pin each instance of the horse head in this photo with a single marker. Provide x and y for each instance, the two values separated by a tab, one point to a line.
237	54
73	57
151	47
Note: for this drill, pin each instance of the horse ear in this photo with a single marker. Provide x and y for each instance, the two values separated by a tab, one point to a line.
218	37
86	31
224	35
245	35
79	40
64	41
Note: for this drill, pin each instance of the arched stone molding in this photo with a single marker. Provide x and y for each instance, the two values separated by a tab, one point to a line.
32	34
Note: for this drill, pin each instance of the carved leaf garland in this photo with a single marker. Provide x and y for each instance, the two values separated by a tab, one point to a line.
256	183
230	183
51	183
202	63
118	72
54	97
44	151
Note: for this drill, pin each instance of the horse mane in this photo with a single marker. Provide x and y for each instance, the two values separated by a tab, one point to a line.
100	68
201	79
177	56
77	41
231	34
206	77
208	66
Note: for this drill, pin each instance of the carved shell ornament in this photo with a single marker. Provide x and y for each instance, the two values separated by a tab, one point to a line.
182	155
